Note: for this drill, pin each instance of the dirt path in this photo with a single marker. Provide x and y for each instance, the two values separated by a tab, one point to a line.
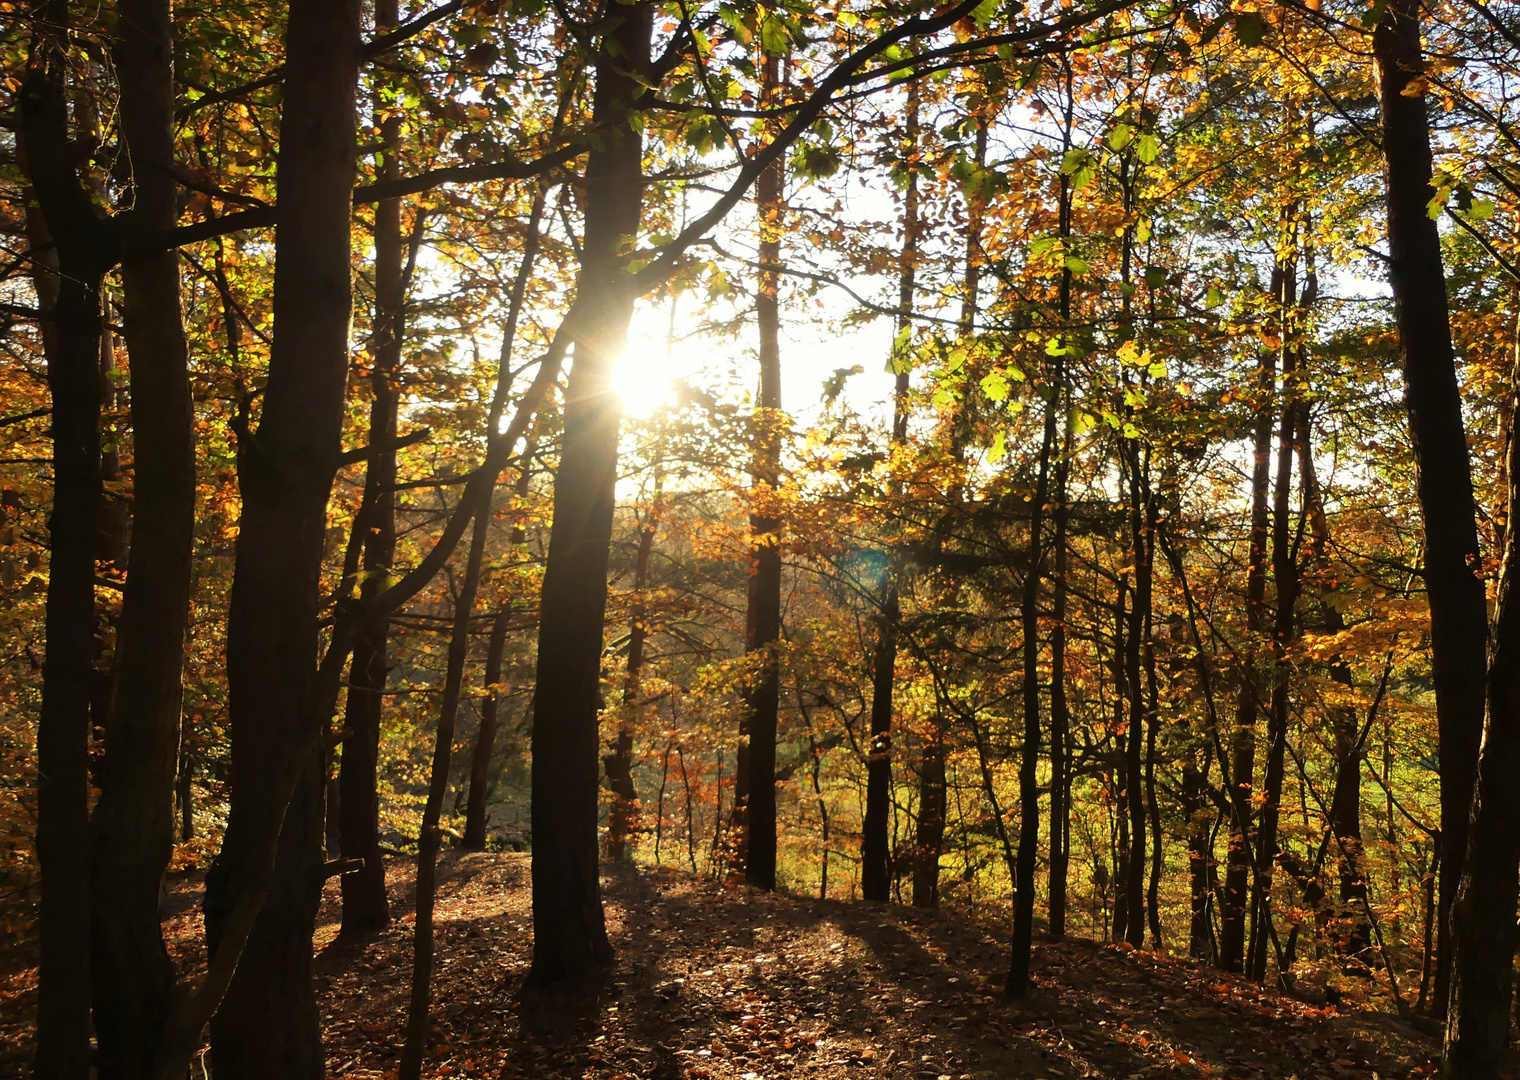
722	984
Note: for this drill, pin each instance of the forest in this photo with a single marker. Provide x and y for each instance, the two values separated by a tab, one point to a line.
693	539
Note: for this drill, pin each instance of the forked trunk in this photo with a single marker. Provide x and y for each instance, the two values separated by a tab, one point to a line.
267	1024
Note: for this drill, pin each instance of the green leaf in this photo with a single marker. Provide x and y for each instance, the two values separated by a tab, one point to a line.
995	386
1072	160
1157	370
1213	298
1250	28
1041	245
1121	136
1147	148
1142	230
1077	266
998	451
775	38
1481	209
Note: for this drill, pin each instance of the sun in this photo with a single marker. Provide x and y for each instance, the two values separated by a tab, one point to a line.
642	379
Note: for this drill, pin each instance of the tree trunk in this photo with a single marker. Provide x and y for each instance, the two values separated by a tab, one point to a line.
763	622
485	738
1017	984
623	818
1134	764
1232	915
876	871
267	1024
1483	917
365	906
133	823
569	929
1454	589
72	348
430	837
1285	582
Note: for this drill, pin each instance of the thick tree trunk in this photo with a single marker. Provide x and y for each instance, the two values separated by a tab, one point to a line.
875	872
133	823
72	345
485	738
366	908
570	933
267	1024
763	622
1454	588
1483	918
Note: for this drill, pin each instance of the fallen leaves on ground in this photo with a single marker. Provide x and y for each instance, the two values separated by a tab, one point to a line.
717	983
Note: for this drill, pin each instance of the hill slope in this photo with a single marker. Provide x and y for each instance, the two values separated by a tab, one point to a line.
723	984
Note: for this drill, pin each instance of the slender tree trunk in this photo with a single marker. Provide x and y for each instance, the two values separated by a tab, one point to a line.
1121	763
763	622
875	871
1232	916
1060	711
1285	582
1134	765
932	801
623	817
430	837
570	933
485	738
366	908
267	1024
1454	589
1017	984
72	346
133	823
1195	806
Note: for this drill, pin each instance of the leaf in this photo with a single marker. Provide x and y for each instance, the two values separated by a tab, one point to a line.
1481	209
1041	245
1213	298
1072	160
1142	230
1250	28
1077	266
995	386
1147	148
1157	370
998	451
1121	136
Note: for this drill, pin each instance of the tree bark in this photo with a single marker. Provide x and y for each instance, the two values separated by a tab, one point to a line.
485	738
133	823
570	934
1017	984
1454	587
1483	917
876	871
1232	914
72	347
366	908
1134	763
623	817
763	621
267	1024
1285	582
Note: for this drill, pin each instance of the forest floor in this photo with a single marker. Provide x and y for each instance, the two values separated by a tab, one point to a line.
715	983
